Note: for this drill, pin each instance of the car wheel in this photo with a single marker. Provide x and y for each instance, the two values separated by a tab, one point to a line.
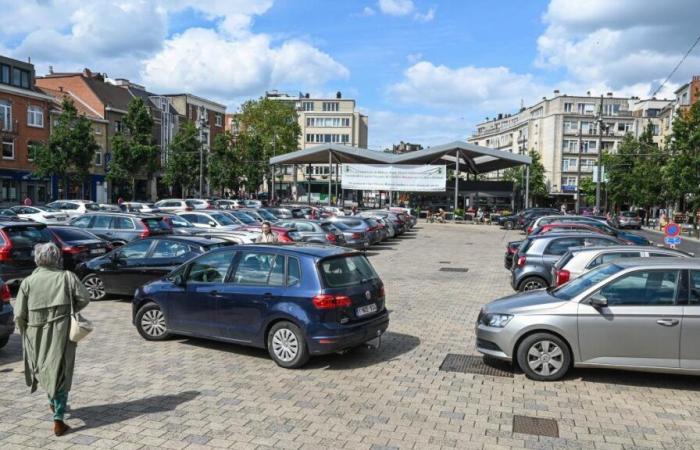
95	287
532	283
4	341
150	323
508	225
544	357
287	346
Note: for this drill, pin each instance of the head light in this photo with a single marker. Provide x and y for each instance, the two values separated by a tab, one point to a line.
496	320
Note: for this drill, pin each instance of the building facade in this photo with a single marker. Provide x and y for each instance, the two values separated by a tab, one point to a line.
24	125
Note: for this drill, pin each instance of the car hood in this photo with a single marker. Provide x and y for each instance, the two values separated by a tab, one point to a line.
524	302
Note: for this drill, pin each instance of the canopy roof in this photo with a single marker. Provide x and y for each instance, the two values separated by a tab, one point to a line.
473	158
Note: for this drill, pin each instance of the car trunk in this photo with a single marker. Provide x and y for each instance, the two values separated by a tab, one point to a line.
18	250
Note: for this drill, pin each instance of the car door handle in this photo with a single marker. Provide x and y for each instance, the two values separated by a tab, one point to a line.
267	296
215	294
667	322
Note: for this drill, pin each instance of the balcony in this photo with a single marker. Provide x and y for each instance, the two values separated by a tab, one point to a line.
10	127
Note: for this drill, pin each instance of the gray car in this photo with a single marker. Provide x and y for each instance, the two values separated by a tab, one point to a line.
120	228
323	232
636	314
533	262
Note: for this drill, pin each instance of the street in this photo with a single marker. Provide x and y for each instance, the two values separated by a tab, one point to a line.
129	393
687	245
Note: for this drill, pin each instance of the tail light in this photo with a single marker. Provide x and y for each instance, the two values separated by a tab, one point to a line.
282	237
331	237
510	250
563	276
5	294
188	208
6	249
381	292
328	301
521	261
529	230
210	206
73	250
146	232
357	235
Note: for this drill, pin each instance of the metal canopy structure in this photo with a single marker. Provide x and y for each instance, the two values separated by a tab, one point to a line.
459	155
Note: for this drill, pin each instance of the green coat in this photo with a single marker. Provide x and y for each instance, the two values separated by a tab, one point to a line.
42	314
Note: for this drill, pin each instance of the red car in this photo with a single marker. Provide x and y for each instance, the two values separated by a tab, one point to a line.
283	234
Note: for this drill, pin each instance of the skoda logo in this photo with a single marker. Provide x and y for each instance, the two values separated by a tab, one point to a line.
368	295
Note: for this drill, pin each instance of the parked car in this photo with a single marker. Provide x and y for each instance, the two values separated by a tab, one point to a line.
279	213
537	255
252	203
7	316
210	219
590	221
284	234
633	314
78	245
401	222
629	219
17	241
228	204
120	228
295	301
315	231
74	208
579	260
140	207
174	205
356	238
360	224
201	203
526	218
123	270
40	214
260	214
241	217
564	227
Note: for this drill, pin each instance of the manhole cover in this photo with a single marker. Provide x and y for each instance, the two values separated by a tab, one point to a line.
536	426
445	262
473	364
454	269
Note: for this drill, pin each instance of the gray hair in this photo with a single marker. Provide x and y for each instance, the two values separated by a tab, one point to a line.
48	255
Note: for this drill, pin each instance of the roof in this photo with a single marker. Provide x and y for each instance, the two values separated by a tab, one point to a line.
474	157
80	106
111	95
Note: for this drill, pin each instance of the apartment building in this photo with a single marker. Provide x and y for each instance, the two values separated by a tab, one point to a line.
24	112
685	97
564	131
207	115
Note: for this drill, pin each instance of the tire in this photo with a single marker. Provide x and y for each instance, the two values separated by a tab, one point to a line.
508	225
150	323
287	346
531	283
95	287
544	357
4	341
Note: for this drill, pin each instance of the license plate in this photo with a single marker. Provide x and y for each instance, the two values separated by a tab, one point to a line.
60	218
97	251
367	309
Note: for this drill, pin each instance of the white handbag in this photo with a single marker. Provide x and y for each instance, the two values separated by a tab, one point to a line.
80	327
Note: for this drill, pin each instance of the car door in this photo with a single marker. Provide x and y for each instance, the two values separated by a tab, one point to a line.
165	256
690	327
122	273
192	307
640	326
123	229
257	280
101	226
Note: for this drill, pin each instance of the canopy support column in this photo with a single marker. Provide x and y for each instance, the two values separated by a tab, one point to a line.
454	211
527	186
330	177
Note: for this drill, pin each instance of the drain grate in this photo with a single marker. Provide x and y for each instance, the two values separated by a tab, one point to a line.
536	426
454	269
473	364
445	262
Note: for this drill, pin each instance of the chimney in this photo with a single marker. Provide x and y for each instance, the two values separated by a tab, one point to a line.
500	116
306	95
87	72
338	95
609	94
50	70
556	92
29	59
588	93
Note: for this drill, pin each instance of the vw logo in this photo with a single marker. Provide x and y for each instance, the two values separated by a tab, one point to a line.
368	295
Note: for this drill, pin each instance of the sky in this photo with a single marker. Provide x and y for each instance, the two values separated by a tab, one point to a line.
423	71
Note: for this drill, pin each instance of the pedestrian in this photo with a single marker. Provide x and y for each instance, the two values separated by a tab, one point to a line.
563	208
354	210
479	215
120	200
267	236
27	201
42	313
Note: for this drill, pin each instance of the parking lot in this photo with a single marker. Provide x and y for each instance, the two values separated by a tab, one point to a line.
190	393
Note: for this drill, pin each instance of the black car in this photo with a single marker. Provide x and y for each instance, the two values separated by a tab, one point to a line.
130	266
120	228
78	245
7	317
17	241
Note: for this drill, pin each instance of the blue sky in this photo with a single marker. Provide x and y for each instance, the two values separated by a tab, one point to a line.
423	71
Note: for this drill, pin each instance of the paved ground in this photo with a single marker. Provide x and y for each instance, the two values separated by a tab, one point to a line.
130	393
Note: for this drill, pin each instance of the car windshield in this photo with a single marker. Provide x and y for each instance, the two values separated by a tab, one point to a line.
267	215
347	271
190	204
243	217
628	214
223	219
27	236
92	207
578	285
155	224
45	208
74	234
179	222
601	226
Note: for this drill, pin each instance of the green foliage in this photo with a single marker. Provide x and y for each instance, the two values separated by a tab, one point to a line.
682	173
71	147
133	149
255	165
182	168
225	165
587	189
538	186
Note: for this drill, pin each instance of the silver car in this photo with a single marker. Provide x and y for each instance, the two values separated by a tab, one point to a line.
635	314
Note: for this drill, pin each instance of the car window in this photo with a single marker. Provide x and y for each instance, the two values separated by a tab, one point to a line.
192	218
302	226
294	272
663	255
91	207
155	224
101	222
579	285
211	267
27	237
260	269
643	288
170	249
122	223
137	249
223	219
179	222
70	206
81	222
598	242
694	287
347	271
70	234
561	246
607	257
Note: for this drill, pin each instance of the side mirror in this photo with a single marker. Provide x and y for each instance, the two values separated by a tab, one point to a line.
212	223
598	301
179	280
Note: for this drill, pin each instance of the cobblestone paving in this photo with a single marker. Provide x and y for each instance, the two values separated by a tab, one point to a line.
188	393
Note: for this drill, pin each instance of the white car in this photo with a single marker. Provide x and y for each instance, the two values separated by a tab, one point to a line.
141	207
214	220
200	203
74	208
252	203
174	205
230	204
579	260
41	214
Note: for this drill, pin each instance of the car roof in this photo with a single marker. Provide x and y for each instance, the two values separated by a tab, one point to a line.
614	248
659	262
571	234
15	222
119	214
305	248
193	239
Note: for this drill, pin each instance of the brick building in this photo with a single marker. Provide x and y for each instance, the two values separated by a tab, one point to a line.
23	126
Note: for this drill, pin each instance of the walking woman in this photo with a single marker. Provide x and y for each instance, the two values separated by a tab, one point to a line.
42	312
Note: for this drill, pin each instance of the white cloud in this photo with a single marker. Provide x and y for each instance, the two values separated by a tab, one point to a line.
414	57
425	17
396	7
387	128
367	11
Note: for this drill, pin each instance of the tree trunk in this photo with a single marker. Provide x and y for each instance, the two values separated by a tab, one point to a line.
133	188
65	187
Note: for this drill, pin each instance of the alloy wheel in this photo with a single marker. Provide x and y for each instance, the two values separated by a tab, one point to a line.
545	358
532	285
153	322
285	344
95	287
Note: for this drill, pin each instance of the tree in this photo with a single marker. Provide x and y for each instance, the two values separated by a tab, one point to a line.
648	188
182	167
587	190
71	147
619	169
538	186
682	172
272	128
133	148
225	165
254	162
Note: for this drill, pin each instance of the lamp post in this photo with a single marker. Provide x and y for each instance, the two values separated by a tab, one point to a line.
202	122
600	155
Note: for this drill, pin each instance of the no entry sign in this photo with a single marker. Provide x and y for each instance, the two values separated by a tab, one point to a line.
672	230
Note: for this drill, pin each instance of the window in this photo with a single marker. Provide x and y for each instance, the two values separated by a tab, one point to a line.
98	129
643	288
293	271
211	267
8	191
5	115
568	164
4	74
607	257
589	146
8	148
219	120
138	249
117	126
570	126
260	269
611	109
307	106
98	158
81	222
330	106
585	108
32	148
170	249
568	107
35	116
662	255
16	77
624	127
347	271
561	246
101	222
570	145
694	286
122	223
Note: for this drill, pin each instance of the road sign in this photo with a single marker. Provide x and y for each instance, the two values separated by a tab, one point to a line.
674	240
672	230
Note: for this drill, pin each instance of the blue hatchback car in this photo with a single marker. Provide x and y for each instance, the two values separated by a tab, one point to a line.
294	300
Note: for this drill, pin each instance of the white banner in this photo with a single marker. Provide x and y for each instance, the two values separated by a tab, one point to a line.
400	177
